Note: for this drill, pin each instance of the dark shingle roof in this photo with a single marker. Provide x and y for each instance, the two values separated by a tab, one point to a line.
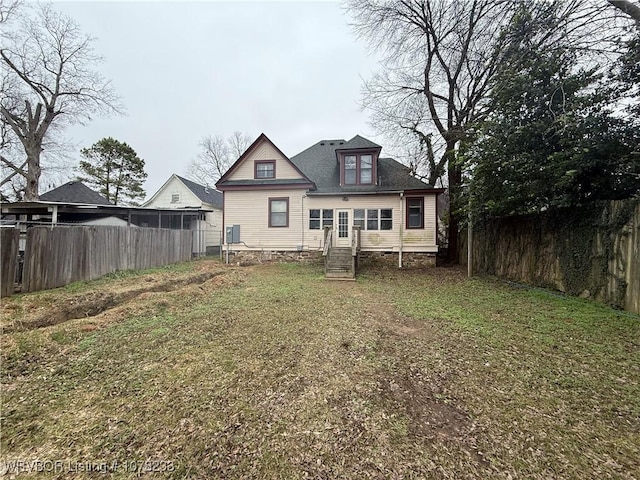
74	192
206	194
281	181
359	142
319	163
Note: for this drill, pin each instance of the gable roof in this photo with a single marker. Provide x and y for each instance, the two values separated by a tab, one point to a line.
206	194
74	192
318	162
261	138
203	193
359	142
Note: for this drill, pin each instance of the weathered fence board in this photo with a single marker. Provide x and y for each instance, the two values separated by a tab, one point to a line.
592	252
9	238
62	255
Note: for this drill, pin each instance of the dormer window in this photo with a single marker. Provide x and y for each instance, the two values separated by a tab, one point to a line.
358	169
264	169
366	168
350	169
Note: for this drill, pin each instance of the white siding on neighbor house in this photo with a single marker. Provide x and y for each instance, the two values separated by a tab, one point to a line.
265	151
213	220
162	199
250	210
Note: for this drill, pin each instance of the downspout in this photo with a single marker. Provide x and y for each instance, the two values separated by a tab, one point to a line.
401	229
302	221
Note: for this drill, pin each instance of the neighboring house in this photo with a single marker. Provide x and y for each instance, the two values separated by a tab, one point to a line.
76	204
180	193
284	204
74	192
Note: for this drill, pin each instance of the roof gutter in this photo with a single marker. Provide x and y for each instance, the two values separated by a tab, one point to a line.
322	194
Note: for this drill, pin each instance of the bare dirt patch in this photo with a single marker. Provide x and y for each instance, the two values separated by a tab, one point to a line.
45	309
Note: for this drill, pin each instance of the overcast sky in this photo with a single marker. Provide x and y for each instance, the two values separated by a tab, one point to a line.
291	70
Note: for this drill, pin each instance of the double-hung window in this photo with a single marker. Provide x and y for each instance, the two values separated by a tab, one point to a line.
366	169
358	169
386	219
320	218
415	212
350	169
358	217
265	169
278	212
373	218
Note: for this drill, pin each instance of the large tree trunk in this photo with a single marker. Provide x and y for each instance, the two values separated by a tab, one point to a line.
31	193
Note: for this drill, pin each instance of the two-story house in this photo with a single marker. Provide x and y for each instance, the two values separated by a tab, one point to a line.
335	193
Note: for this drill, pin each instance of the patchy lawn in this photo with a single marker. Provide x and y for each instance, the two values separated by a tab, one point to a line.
273	372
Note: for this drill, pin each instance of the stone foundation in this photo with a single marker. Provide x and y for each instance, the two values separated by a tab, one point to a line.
409	259
254	257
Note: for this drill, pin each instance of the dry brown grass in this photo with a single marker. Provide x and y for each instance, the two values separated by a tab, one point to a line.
272	372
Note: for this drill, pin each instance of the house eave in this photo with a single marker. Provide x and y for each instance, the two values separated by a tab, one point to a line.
342	194
273	186
379	192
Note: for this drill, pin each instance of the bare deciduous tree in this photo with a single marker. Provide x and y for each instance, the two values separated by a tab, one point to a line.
628	7
8	9
217	155
48	81
439	59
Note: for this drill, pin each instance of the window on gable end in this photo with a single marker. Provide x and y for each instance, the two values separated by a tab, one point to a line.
265	169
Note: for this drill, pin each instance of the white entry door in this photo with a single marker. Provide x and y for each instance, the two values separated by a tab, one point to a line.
343	228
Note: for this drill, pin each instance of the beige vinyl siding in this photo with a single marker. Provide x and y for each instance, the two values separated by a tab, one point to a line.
265	151
414	240
422	240
250	210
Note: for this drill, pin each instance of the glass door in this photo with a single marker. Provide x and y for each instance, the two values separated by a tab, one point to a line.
343	228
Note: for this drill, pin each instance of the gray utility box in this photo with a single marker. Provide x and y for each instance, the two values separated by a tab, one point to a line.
233	234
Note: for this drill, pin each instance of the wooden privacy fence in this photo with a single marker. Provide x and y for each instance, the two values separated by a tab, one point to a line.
591	252
9	240
58	256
